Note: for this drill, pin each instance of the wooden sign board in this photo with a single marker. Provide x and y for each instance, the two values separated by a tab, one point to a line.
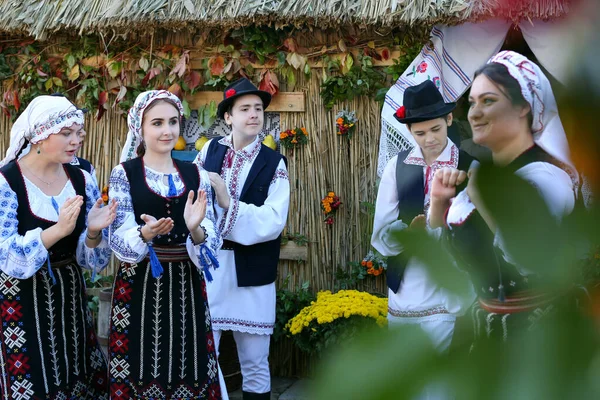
282	102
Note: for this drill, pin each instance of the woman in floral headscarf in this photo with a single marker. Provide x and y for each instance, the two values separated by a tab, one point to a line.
513	113
51	226
161	343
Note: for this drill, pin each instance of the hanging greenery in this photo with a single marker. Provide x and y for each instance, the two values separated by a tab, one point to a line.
99	77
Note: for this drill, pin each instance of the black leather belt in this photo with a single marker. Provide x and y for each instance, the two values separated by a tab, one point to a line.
227	245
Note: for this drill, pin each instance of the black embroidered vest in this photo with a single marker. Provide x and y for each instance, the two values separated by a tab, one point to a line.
255	265
65	248
411	202
146	201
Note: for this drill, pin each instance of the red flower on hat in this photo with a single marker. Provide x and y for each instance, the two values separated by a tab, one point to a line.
401	112
230	93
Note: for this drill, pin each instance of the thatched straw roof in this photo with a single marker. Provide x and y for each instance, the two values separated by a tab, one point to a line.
39	18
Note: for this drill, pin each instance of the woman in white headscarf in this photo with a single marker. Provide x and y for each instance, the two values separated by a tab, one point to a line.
51	226
513	113
161	344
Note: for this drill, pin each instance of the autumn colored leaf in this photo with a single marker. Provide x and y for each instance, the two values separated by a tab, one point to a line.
269	82
296	60
102	99
144	64
181	65
216	65
121	95
193	79
347	63
152	72
74	73
385	54
176	90
342	46
57	82
16	101
41	73
94	61
290	44
371	44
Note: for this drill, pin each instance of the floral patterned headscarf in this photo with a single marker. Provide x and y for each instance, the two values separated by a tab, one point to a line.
44	116
547	129
136	115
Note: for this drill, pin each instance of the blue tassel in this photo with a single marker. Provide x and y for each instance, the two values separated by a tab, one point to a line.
155	265
206	260
51	273
172	189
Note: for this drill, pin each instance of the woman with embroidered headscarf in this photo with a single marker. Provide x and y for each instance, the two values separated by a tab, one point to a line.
51	226
512	112
161	343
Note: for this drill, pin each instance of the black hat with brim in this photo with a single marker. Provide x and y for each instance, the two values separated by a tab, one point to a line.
239	88
423	102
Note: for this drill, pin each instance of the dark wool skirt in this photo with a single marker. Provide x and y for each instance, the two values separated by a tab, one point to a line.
48	345
161	341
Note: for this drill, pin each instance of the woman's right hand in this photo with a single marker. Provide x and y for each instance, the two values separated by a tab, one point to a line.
67	215
154	227
444	184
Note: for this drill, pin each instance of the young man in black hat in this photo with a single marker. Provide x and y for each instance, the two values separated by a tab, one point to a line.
252	189
402	202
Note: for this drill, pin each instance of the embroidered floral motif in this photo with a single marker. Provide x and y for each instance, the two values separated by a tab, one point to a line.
417	314
54	124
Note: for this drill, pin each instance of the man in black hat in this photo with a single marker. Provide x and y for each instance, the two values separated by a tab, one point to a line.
402	202
252	190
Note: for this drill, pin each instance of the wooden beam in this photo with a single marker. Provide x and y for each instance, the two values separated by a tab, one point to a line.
282	102
291	251
196	60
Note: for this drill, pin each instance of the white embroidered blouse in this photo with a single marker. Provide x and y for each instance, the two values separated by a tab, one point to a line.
21	256
124	237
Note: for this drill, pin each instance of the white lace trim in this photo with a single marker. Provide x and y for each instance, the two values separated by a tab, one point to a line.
460	209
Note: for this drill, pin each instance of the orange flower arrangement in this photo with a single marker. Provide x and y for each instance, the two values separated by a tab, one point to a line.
330	204
293	138
105	194
373	264
345	123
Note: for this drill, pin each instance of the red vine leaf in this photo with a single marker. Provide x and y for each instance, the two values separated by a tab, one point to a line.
385	54
151	74
269	82
181	65
102	99
193	79
176	90
216	65
290	44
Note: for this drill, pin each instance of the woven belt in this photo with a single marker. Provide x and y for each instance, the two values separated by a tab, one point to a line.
228	245
171	253
62	263
518	302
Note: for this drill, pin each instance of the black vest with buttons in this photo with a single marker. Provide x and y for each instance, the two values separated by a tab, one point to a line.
146	201
84	164
255	265
410	187
65	248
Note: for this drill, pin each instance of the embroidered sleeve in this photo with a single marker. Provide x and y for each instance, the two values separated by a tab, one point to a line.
124	239
199	160
97	258
248	224
386	214
20	256
214	241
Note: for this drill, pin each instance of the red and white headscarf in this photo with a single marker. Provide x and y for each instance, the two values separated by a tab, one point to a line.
44	116
136	116
547	129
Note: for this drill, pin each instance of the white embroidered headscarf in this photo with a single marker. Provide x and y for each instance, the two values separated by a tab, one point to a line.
44	116
136	116
547	129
